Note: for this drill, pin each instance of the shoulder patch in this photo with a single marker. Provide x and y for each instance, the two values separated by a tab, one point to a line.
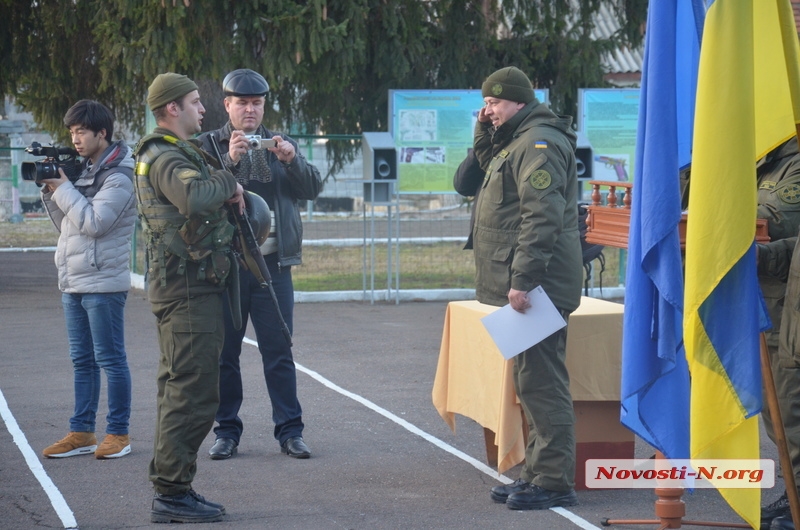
790	194
540	144
540	179
187	175
767	185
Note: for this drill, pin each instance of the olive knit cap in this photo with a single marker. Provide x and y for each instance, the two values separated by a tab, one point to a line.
168	87
508	83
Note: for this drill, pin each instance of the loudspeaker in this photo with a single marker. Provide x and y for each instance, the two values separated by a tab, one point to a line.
379	156
583	157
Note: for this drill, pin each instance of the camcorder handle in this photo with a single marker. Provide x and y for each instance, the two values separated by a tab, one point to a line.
252	251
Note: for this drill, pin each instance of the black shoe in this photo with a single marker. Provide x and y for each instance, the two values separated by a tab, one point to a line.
776	509
501	493
538	498
296	447
782	522
207	502
223	448
185	508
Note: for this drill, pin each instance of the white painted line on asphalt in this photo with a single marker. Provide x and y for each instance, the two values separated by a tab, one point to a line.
56	499
578	521
582	523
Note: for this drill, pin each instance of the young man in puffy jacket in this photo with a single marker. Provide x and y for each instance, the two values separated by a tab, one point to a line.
95	213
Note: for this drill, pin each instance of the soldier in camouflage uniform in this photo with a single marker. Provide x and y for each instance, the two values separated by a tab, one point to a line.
181	205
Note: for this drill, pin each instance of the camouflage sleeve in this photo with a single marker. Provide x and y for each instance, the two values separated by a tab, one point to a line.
178	180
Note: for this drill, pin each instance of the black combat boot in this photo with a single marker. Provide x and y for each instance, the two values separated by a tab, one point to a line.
189	507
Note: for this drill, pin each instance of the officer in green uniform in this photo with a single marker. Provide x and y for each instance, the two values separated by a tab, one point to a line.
778	176
526	235
181	201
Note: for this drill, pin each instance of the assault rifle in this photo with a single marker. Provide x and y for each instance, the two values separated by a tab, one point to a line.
248	252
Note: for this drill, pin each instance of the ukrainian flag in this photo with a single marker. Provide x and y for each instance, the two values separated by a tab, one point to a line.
653	356
744	108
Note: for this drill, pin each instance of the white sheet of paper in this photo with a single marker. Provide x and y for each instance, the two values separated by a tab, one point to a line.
515	332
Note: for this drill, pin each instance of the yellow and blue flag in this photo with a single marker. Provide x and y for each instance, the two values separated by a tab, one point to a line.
744	108
655	377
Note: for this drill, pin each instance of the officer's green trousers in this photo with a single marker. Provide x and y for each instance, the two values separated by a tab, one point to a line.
190	335
542	384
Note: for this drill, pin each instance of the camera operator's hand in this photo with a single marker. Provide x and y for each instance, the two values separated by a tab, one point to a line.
52	184
283	150
238	146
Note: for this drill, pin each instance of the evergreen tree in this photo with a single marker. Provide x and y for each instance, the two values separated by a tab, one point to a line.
330	65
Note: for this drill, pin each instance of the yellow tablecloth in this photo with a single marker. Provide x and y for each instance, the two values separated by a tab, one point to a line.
474	380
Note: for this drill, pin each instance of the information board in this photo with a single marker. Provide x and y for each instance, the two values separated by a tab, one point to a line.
608	117
433	132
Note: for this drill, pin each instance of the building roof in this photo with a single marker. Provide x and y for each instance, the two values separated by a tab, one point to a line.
623	60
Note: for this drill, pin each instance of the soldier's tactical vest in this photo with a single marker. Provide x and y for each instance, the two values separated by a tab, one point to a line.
203	240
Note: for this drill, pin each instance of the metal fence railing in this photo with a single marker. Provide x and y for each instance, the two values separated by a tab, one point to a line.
389	251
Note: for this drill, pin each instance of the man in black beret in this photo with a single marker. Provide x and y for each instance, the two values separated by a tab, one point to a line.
271	166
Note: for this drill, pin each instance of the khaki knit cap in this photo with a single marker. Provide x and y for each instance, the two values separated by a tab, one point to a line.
508	83
168	87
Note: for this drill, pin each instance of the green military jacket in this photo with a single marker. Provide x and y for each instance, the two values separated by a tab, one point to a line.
193	200
526	221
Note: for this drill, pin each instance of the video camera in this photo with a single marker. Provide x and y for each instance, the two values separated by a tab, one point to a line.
56	157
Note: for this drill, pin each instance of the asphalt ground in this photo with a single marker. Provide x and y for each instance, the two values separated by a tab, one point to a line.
382	456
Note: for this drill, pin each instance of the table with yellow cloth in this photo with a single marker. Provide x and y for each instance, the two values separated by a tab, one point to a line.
474	380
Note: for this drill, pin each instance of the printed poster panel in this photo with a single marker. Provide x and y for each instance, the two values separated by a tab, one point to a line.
609	118
433	131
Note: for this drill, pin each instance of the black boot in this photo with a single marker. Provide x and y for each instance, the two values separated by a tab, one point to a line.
207	502
188	507
776	509
501	493
537	498
783	522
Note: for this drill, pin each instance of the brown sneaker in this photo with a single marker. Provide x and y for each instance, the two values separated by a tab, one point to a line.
75	443
114	446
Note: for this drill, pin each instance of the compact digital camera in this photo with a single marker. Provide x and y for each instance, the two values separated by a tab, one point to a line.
56	157
256	142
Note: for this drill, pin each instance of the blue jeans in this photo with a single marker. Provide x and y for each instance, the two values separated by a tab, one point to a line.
95	329
276	356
